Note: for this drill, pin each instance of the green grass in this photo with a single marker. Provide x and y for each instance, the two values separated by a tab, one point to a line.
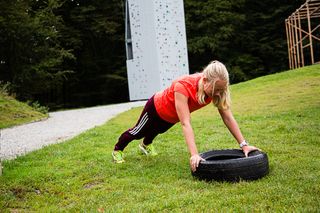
13	112
278	113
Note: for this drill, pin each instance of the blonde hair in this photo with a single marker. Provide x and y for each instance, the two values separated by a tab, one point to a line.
215	71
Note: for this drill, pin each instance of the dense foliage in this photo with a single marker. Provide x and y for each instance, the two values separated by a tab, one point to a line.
71	53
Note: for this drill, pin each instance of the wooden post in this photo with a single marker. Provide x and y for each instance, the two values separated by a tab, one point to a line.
288	43
310	34
301	39
297	41
295	65
291	44
298	38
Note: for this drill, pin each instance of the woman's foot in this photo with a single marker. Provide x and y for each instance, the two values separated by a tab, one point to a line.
117	156
148	149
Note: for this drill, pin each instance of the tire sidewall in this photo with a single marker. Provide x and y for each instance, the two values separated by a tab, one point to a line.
252	167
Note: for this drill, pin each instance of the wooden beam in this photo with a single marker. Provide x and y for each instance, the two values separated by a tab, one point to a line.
295	64
300	35
307	45
297	42
313	7
296	35
310	36
288	43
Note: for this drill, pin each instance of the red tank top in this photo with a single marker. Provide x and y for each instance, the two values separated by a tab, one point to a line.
187	85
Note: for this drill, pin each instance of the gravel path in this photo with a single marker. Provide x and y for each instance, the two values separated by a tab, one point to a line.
59	127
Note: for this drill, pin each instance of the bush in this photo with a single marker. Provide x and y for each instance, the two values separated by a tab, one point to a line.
36	105
5	88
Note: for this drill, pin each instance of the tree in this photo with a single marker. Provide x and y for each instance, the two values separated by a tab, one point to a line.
95	31
32	58
211	26
71	53
247	35
261	42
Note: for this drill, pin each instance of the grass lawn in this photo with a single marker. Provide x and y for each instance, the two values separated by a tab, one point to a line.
278	113
13	112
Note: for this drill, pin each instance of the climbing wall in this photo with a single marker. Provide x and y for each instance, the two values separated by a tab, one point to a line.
158	44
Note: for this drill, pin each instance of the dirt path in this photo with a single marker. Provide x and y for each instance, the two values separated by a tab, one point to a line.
59	127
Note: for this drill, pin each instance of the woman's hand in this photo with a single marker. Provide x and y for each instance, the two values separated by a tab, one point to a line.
194	162
247	149
182	108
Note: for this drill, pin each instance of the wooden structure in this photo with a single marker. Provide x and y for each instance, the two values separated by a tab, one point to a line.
303	35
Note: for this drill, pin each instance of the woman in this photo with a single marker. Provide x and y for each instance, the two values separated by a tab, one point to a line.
185	95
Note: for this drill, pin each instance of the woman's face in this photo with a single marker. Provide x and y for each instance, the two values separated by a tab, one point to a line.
219	87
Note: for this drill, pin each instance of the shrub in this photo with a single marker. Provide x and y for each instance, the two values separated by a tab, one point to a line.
5	88
36	105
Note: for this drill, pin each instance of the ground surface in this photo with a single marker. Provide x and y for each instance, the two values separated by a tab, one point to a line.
59	127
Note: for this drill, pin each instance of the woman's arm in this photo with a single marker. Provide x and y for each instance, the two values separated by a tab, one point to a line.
232	124
233	127
182	108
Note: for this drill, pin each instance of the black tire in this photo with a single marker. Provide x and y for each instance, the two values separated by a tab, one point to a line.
232	165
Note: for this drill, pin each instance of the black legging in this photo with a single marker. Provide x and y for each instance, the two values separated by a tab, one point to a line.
148	127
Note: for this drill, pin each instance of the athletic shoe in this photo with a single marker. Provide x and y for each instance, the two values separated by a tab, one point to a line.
147	149
117	156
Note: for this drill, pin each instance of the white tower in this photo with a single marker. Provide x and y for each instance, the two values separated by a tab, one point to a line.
155	44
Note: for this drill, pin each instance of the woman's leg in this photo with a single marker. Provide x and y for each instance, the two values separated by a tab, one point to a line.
140	129
160	126
137	132
148	127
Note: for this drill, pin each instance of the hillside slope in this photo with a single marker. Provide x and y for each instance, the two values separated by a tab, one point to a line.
279	113
13	112
291	90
